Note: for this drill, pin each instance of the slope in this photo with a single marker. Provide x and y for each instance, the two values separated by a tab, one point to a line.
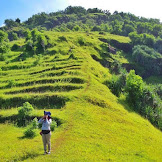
95	126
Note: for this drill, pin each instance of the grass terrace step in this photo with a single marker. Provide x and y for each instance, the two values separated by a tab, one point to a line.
55	68
40	100
66	79
45	88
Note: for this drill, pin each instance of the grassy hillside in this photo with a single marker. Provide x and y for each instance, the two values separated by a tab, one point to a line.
93	124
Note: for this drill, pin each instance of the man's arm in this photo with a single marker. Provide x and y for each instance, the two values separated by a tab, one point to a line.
40	120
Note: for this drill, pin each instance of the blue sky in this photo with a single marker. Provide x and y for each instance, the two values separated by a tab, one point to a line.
24	9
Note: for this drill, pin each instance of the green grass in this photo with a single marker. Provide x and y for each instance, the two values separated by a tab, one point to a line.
95	125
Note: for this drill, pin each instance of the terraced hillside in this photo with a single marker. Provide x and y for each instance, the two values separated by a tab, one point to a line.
93	124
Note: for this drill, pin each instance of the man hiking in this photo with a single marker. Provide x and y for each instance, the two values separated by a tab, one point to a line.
46	131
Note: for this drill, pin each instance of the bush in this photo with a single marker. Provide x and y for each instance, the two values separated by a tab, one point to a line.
41	43
72	56
3	57
76	28
34	123
96	28
38	60
14	36
134	88
62	38
4	48
116	84
15	47
148	58
81	41
25	110
29	45
53	125
30	133
23	113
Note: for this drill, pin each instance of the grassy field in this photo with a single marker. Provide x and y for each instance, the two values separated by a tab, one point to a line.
94	125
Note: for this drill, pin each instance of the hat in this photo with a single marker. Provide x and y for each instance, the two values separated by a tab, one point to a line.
47	113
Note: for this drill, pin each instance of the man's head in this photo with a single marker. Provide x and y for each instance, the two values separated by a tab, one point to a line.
47	113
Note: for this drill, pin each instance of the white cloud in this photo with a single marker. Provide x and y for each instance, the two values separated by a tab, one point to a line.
2	25
145	8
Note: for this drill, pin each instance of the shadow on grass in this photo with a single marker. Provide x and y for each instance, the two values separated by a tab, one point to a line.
51	102
25	137
15	119
28	155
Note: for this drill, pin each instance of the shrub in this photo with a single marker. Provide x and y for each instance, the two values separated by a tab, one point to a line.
148	58
96	28
25	110
4	48
41	43
23	113
29	45
3	57
53	125
72	57
158	90
14	36
38	60
62	38
15	47
81	41
34	123
116	84
134	88
30	133
76	28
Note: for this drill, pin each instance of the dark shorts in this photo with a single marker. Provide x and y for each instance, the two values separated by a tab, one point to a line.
45	131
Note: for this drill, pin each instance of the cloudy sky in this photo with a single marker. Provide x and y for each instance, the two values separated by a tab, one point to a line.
24	9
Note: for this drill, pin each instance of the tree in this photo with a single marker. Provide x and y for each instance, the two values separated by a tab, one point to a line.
34	34
12	36
23	113
96	28
148	40
10	23
128	29
27	34
158	45
117	27
134	88
157	28
3	36
135	38
148	58
18	20
94	10
4	46
75	10
41	43
76	28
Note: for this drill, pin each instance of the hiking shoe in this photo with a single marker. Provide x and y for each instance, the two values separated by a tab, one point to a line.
49	152
45	153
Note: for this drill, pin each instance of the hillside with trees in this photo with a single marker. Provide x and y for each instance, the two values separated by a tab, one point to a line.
99	73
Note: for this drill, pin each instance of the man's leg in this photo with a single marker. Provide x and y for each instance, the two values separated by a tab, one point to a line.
48	138
44	141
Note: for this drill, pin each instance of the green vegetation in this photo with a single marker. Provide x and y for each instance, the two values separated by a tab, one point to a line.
23	113
72	70
142	98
